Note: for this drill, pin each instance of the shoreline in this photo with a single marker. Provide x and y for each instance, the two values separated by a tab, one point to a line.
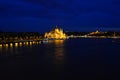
112	37
44	39
19	41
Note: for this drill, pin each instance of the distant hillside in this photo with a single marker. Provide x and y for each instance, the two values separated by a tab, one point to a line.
108	33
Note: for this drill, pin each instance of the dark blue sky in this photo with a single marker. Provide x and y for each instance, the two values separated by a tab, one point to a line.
72	15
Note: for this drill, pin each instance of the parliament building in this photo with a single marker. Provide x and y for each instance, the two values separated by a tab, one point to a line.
56	33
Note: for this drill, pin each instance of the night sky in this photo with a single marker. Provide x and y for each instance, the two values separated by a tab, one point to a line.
71	15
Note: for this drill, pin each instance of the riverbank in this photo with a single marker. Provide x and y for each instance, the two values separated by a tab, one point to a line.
20	43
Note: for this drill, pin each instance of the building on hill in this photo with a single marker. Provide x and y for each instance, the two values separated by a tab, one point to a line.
56	33
96	32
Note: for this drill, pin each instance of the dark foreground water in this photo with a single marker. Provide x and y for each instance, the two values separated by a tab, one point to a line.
74	59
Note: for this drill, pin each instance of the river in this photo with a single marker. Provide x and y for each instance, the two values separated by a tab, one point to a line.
83	58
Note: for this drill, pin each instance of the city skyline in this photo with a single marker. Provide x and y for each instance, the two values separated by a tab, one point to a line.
71	15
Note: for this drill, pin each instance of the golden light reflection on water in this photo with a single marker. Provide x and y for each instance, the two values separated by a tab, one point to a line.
59	51
0	48
11	44
15	47
6	48
26	43
11	48
20	43
58	42
6	45
30	43
0	45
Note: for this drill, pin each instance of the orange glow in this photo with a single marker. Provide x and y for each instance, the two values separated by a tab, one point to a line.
56	34
20	43
6	45
11	44
16	44
59	52
96	32
0	45
26	43
58	42
30	43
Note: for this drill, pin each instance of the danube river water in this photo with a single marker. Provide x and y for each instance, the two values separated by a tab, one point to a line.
61	60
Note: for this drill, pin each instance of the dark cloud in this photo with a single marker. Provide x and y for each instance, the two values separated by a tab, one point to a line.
67	13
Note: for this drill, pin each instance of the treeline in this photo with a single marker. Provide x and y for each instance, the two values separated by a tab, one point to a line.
76	33
14	36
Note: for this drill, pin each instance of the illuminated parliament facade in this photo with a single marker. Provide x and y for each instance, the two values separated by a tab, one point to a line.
55	34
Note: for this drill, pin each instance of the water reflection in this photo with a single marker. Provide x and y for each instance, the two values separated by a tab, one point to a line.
27	43
0	49
55	51
1	46
20	44
59	56
16	45
59	51
11	44
11	49
6	48
30	43
15	48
